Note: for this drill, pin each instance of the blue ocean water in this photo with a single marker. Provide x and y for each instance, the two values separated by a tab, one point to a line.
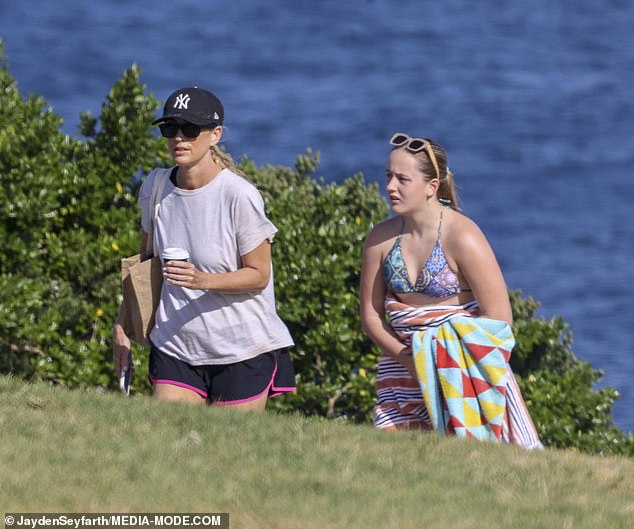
532	100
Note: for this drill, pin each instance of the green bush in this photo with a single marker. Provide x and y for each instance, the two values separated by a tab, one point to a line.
558	388
68	213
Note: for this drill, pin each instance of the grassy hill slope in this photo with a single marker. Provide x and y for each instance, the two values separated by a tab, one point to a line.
81	451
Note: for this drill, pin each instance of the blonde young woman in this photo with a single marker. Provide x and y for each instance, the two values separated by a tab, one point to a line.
218	338
421	267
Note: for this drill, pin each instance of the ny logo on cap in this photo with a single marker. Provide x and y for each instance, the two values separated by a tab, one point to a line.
182	100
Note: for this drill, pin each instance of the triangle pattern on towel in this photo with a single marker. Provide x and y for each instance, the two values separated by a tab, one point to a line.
471	366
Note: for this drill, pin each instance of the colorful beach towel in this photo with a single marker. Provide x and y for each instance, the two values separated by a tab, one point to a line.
463	371
400	400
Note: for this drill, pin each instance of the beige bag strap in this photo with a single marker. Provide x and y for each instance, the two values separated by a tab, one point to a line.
162	175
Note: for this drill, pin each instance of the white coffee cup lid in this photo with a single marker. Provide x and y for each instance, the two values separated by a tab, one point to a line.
175	254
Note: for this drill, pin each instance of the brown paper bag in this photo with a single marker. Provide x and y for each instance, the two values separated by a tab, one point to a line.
142	281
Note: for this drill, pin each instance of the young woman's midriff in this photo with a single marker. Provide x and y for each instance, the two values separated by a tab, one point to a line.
416	299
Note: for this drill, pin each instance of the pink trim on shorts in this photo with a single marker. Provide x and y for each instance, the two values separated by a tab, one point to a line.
180	385
249	399
240	401
269	388
276	392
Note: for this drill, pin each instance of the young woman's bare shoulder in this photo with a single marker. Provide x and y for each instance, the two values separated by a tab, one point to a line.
463	233
384	232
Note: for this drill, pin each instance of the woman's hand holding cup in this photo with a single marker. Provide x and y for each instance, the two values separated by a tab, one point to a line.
178	271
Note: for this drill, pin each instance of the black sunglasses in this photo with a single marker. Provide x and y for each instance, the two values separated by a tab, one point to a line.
189	130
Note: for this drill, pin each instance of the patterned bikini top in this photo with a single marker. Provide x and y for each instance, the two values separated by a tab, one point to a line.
436	279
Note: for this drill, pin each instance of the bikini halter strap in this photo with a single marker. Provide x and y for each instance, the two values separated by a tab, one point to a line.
439	227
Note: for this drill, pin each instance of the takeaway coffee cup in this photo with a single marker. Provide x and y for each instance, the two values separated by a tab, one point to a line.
174	254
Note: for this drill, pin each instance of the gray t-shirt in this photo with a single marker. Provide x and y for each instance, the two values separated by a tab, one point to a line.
216	224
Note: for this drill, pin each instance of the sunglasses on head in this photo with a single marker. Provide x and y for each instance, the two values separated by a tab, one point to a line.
414	145
190	130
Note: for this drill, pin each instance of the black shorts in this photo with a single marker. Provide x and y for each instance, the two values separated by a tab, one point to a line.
269	373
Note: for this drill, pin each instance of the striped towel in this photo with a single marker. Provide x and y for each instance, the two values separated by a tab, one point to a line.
399	403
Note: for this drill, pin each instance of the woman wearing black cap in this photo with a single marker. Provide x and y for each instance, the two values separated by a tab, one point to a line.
217	337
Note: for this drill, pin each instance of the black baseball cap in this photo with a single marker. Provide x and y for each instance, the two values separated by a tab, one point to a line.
195	105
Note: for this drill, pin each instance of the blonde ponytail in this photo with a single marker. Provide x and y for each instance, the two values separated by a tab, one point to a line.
223	159
447	191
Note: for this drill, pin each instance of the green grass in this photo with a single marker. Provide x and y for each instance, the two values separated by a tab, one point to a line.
81	451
